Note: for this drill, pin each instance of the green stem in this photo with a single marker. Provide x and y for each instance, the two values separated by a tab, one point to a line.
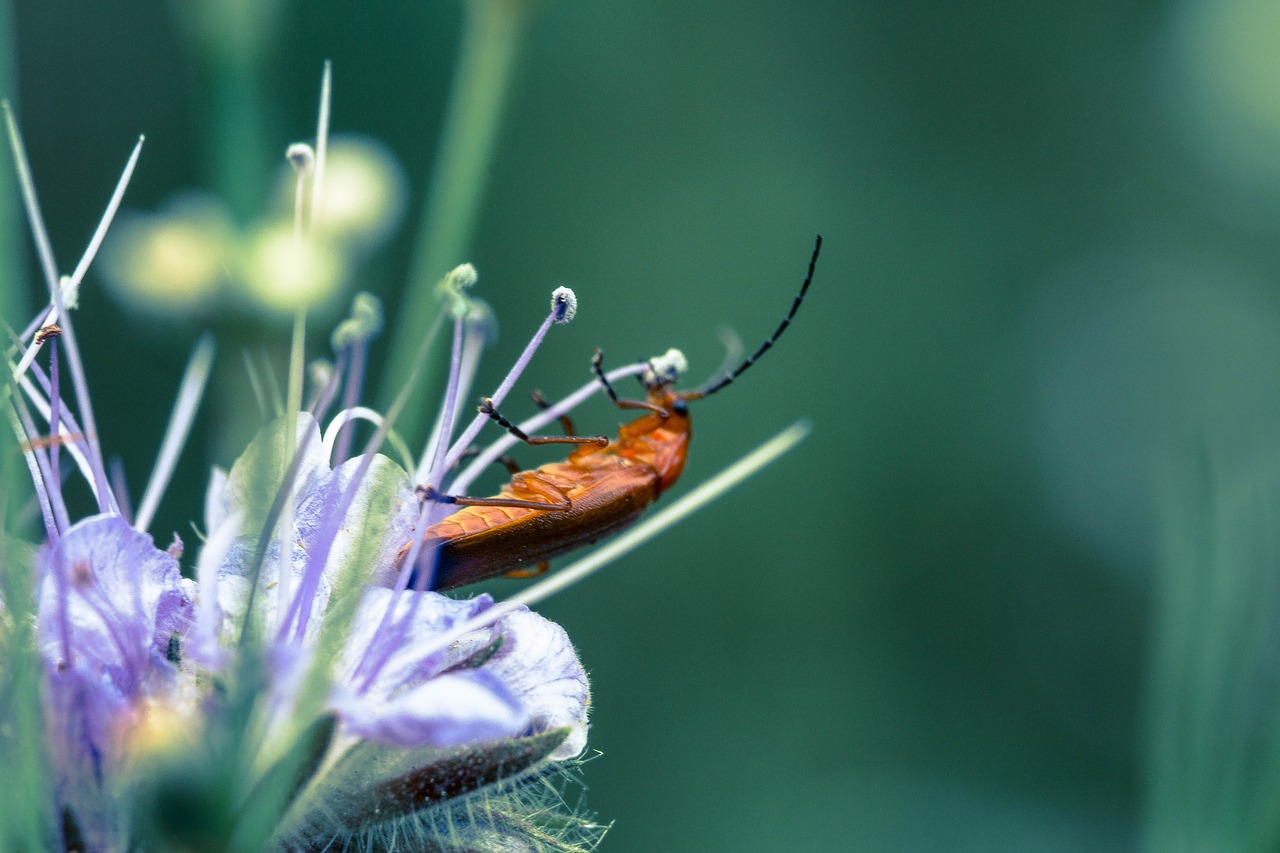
240	158
491	39
230	39
15	306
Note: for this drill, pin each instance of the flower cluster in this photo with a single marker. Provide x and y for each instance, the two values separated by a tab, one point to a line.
298	692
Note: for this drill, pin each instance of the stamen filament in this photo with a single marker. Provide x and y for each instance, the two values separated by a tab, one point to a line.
351	393
80	386
322	138
35	219
324	396
120	488
477	423
69	432
100	233
55	416
191	391
255	384
448	413
345	416
37	466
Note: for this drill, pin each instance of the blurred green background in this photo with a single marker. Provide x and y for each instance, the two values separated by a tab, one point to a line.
1051	278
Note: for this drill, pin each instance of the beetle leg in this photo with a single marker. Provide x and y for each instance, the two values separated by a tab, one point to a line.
597	361
540	569
487	408
556	500
533	483
472	452
541	403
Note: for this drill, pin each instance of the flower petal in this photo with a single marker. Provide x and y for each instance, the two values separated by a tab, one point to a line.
108	597
257	476
447	710
539	665
383	653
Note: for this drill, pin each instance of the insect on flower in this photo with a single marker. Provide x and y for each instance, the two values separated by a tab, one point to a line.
602	487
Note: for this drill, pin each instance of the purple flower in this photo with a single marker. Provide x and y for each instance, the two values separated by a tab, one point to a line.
518	676
111	611
447	697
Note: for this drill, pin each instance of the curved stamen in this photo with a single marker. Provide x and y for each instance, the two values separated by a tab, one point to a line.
190	392
345	416
70	433
48	491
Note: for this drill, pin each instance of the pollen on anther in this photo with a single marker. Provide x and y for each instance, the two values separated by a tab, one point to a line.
564	304
666	368
49	331
302	157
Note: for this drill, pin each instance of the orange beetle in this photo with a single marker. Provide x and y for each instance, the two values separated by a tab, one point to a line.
602	487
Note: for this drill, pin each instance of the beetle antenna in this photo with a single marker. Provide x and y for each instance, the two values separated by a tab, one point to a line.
708	390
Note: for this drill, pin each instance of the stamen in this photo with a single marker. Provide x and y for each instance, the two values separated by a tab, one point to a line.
190	392
69	435
80	386
302	157
345	416
255	384
68	287
109	214
70	295
448	412
397	405
563	306
322	137
300	607
47	332
53	512
55	410
666	369
120	487
352	337
325	535
324	376
44	250
35	219
303	160
454	285
483	329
